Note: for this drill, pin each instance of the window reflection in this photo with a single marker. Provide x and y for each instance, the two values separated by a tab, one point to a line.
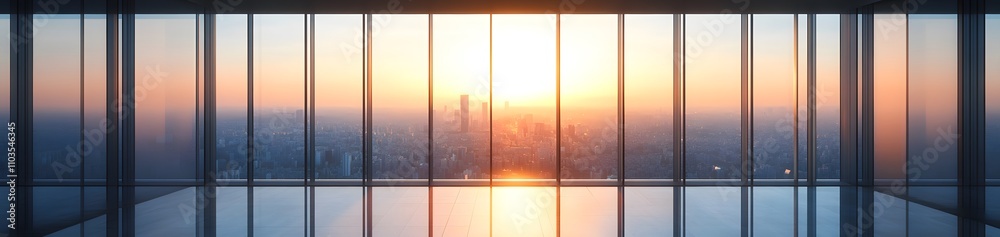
933	99
593	207
339	211
461	211
399	211
524	211
165	93
890	96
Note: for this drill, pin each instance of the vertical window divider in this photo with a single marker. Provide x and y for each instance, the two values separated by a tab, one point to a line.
210	156
430	125
795	124
558	125
368	123
83	156
746	124
679	127
128	118
311	163
811	120
250	122
621	125
491	125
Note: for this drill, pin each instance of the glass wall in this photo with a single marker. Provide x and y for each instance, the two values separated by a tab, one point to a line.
890	97
524	142
57	81
462	88
933	100
649	97
589	96
399	96
339	96
279	92
649	210
712	59
165	96
774	97
827	96
231	100
433	80
57	122
993	95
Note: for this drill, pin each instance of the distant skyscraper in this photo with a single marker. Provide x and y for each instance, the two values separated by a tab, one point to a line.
571	131
346	164
465	113
485	117
506	105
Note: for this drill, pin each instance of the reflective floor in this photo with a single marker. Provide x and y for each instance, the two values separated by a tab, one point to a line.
531	211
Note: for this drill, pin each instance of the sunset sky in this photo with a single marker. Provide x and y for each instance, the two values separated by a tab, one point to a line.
523	61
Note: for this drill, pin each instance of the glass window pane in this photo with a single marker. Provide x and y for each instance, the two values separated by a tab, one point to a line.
56	99
165	71
993	95
94	150
774	96
712	54
399	97
524	211
827	96
890	96
589	96
649	98
933	88
461	84
339	83
461	211
231	96
524	121
279	96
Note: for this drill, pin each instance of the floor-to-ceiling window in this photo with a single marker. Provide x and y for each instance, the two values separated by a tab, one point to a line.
505	125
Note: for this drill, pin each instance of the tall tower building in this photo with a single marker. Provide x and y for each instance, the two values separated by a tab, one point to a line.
465	113
485	117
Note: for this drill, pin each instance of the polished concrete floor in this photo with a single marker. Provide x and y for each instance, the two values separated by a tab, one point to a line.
527	211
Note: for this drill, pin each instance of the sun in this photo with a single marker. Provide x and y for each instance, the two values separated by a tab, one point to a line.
524	50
